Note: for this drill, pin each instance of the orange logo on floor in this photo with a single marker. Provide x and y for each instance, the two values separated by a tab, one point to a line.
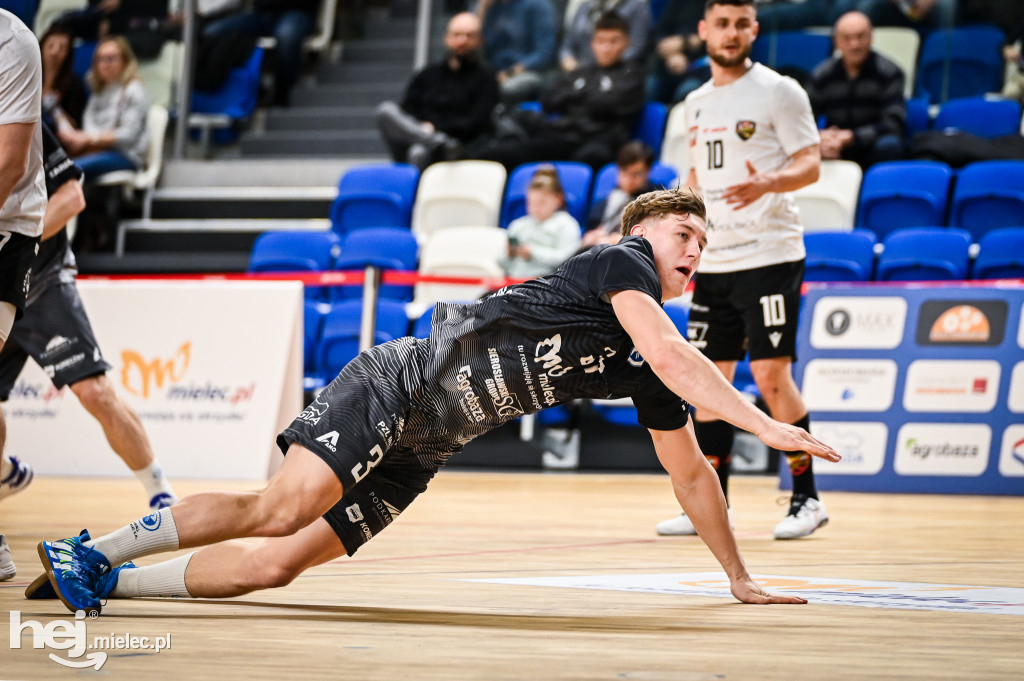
139	376
961	323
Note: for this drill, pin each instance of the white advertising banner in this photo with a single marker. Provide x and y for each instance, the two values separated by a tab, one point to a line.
213	370
858	322
942	449
952	385
862	446
849	384
1015	401
1011	454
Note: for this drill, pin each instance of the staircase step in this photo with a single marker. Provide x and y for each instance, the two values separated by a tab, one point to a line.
362	94
322	118
192	236
396	72
395	50
345	143
273	203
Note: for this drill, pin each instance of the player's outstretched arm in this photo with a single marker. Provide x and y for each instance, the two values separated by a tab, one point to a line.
693	377
698	491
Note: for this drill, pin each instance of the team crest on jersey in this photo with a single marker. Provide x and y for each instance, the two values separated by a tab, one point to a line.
746	129
635	358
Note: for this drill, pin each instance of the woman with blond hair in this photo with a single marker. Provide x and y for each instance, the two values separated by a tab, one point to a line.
547	235
113	134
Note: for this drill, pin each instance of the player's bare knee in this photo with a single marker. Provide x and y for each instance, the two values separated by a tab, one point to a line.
272	576
95	396
280	517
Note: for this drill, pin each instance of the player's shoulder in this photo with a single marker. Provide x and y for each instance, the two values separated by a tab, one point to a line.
773	80
705	89
15	36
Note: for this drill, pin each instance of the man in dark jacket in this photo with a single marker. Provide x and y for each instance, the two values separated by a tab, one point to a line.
860	94
445	104
588	113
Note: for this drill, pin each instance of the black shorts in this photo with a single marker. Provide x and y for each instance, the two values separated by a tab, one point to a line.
379	438
55	332
17	252
750	311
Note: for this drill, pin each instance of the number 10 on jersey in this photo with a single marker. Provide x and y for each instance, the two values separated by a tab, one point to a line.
716	154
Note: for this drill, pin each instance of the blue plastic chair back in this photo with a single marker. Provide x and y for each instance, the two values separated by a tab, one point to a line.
925	254
296	252
989	195
918	118
312	326
375	196
339	343
421	329
663	176
981	117
840	256
792	50
388	248
975	63
1001	254
904	194
237	97
81	60
23	9
650	127
575	178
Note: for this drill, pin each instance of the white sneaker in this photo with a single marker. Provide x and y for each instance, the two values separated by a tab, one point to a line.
7	569
681	525
18	478
805	516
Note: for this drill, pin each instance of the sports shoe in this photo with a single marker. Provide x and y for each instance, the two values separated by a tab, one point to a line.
7	569
162	500
682	525
806	514
75	572
41	589
17	480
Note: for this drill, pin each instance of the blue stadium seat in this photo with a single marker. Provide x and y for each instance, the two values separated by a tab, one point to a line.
650	127
975	63
236	99
375	196
387	248
421	328
312	326
904	194
339	342
789	50
1001	254
81	62
840	256
575	178
988	195
918	118
296	252
925	254
981	117
662	175
23	9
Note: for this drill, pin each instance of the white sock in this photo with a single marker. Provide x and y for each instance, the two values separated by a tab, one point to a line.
152	478
163	579
155	533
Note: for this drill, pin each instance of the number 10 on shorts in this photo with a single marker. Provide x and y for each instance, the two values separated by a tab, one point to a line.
774	309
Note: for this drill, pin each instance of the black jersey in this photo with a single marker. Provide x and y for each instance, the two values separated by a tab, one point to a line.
547	341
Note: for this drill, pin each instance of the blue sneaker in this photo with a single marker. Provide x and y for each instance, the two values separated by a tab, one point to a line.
162	500
17	479
41	589
75	571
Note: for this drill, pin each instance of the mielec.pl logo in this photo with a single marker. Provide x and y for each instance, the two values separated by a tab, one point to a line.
72	637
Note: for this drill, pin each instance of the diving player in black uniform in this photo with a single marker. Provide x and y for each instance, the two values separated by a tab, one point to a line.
371	441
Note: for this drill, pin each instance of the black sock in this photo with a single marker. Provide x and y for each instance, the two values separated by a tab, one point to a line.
715	439
800	465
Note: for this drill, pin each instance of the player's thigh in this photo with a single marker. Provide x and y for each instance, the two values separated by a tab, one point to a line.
769	298
716	325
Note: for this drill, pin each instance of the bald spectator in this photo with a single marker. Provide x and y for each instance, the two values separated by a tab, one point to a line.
860	94
446	104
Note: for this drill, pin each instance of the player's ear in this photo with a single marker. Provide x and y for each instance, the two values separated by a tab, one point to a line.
702	29
637	230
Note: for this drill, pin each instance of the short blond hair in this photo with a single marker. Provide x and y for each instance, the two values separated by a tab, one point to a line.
131	64
658	204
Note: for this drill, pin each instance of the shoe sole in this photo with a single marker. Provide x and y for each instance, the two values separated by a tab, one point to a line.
823	523
40	589
91	612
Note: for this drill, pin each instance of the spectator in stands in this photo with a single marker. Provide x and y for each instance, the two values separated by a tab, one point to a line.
915	14
576	45
64	93
796	15
678	47
1014	85
633	178
289	22
587	113
446	104
547	235
520	40
139	21
113	134
860	95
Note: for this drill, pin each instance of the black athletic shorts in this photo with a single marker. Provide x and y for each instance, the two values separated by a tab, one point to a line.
750	311
17	252
374	427
55	332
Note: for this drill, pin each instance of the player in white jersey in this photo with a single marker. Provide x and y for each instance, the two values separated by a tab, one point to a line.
752	141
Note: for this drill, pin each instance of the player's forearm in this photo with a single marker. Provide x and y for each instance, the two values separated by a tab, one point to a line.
802	171
67	202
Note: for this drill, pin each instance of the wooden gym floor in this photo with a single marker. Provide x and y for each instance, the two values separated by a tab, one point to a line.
399	612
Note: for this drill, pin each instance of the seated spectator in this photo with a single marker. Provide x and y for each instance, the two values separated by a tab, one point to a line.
587	113
139	21
796	15
860	94
915	14
1013	88
64	93
576	45
113	134
678	46
634	164
520	39
546	236
446	104
290	22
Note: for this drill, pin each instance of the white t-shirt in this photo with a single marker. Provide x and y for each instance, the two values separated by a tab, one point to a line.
21	82
764	118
